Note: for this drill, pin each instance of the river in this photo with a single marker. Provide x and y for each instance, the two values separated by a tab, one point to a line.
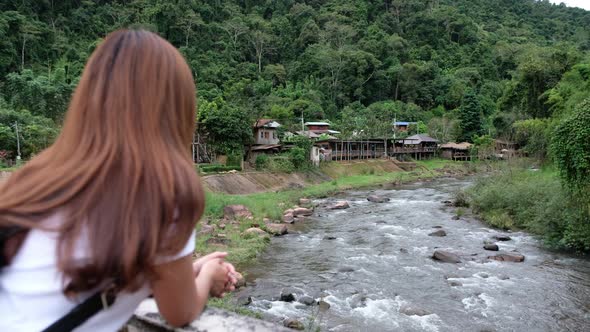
372	264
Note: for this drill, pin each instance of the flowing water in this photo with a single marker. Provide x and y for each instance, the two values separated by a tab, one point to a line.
377	274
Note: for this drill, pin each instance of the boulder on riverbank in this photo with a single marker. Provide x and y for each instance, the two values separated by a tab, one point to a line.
377	199
300	211
255	231
277	229
446	257
305	202
288	218
233	212
439	233
244	300
340	205
512	257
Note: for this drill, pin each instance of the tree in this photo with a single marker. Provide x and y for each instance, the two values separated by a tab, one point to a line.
570	147
470	117
228	129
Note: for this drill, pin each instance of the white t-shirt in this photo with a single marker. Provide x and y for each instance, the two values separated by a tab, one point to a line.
31	295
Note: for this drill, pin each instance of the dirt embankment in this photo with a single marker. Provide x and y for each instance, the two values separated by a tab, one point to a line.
254	182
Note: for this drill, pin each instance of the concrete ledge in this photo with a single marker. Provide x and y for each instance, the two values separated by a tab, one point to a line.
148	319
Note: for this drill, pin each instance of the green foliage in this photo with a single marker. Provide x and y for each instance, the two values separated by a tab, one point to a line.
533	136
483	146
227	127
235	158
298	157
570	147
281	164
471	117
261	162
534	201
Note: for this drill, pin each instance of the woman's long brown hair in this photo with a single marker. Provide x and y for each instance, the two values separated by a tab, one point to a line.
120	172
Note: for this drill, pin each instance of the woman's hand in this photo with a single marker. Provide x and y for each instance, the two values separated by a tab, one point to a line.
215	273
198	264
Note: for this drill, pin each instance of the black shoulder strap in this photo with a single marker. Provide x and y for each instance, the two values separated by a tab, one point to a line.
83	311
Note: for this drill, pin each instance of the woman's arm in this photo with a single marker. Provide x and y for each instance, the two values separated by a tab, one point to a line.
180	296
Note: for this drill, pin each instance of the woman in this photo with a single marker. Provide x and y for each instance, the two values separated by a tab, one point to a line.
113	201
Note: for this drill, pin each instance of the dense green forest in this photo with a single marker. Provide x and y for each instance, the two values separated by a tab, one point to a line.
464	68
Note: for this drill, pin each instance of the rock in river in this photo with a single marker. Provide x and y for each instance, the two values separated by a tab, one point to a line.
244	300
502	238
302	212
340	205
287	296
446	257
516	258
307	300
438	233
293	324
491	247
288	218
413	311
277	229
377	199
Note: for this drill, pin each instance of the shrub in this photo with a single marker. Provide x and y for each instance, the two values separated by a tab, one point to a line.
298	157
281	164
234	159
261	162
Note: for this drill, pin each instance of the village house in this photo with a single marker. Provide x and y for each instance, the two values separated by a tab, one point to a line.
456	151
402	126
419	146
266	138
319	128
265	132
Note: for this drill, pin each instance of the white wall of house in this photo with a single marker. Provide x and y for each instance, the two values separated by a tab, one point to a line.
266	136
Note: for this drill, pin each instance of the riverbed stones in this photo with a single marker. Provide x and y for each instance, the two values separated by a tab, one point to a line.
446	257
301	211
340	205
324	305
329	237
255	231
277	229
413	311
287	295
241	281
206	230
288	218
293	324
502	237
305	202
238	211
508	257
244	300
307	300
439	233
455	284
491	247
346	269
377	199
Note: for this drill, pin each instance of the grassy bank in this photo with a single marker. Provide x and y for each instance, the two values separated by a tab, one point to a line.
518	198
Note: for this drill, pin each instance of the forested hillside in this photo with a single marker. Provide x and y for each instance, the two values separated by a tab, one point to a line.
462	67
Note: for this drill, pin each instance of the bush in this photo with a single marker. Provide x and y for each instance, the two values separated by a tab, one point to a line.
536	202
281	164
298	157
261	162
234	159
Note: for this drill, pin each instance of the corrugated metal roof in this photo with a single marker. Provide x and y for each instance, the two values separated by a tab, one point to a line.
317	124
268	123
